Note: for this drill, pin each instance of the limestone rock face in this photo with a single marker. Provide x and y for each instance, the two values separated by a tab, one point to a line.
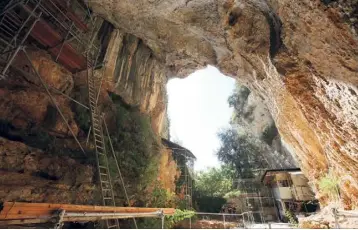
300	57
26	108
31	175
132	72
52	73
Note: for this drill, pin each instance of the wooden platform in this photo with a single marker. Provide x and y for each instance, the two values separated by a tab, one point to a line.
18	212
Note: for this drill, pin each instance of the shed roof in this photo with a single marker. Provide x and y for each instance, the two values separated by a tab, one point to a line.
272	171
174	146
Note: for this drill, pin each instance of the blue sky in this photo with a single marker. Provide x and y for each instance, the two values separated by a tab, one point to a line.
197	110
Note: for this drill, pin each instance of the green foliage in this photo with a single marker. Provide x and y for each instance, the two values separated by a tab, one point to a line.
161	198
208	203
291	217
169	221
178	216
269	134
241	152
83	116
329	185
214	182
239	98
210	187
137	149
232	194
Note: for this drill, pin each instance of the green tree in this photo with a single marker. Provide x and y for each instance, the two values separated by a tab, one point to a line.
241	152
214	182
211	186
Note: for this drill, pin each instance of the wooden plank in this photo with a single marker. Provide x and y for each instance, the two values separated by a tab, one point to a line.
19	210
17	222
87	208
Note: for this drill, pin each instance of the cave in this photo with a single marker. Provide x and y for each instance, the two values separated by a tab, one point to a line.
288	58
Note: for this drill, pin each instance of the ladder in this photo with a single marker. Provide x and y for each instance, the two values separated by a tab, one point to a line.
100	146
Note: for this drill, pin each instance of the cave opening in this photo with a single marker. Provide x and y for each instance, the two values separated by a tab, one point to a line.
197	109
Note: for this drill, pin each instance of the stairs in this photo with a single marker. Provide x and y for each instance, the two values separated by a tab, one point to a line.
10	25
101	153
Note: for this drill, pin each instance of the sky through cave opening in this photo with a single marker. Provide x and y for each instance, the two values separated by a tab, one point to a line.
197	110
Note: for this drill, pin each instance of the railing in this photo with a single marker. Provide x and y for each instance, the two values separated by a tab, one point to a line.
242	220
272	225
345	214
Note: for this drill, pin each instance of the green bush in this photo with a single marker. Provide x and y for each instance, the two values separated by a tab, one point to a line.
161	198
329	185
269	134
292	219
137	149
232	194
83	116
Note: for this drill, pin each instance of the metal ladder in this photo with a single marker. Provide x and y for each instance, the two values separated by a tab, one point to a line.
100	146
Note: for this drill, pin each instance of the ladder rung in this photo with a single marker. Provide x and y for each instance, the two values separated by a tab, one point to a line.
96	124
103	174
107	198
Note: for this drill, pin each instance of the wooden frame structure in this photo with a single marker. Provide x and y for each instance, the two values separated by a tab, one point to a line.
18	213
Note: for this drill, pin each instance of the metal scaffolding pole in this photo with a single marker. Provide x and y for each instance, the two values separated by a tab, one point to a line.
23	24
53	100
64	41
20	46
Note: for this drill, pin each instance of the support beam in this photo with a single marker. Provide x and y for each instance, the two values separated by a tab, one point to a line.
26	211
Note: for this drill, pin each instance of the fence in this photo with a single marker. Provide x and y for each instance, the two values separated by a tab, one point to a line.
242	220
347	215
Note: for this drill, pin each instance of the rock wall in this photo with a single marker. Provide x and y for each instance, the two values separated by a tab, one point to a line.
300	57
25	104
31	175
132	72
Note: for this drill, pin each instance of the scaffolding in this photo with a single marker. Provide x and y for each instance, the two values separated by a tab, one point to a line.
185	162
70	38
257	199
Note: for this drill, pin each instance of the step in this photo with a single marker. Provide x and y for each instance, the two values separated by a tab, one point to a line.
97	134
98	131
12	16
8	34
100	147
7	22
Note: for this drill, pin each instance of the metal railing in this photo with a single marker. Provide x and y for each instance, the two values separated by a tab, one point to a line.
242	220
337	213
